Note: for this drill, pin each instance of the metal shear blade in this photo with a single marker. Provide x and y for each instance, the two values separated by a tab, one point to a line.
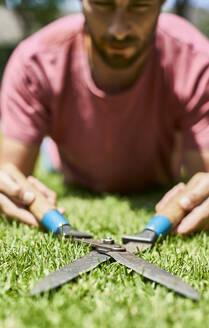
104	250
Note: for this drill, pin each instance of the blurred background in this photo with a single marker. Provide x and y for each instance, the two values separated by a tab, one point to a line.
20	18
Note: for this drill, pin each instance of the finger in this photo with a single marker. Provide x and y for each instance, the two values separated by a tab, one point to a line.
61	210
11	210
196	220
169	195
48	193
9	187
198	194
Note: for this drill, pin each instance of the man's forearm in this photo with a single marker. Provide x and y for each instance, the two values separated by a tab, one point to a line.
21	155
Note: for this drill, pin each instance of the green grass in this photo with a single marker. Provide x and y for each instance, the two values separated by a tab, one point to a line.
111	295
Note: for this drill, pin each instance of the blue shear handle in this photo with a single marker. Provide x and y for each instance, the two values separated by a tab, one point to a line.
160	224
53	219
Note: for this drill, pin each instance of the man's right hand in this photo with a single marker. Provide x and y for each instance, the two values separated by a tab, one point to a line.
14	199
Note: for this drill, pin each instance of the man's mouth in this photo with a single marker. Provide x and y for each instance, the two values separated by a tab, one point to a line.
118	46
120	49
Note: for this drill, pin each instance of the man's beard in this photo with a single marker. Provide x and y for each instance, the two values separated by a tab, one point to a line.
117	61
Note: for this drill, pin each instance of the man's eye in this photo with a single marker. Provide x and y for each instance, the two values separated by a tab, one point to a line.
100	3
140	4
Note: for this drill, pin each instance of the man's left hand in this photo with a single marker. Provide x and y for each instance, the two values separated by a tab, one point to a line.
195	203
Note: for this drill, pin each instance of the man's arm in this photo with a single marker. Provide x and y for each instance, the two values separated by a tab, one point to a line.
25	118
21	155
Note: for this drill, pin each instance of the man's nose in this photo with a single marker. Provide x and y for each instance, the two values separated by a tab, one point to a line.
119	28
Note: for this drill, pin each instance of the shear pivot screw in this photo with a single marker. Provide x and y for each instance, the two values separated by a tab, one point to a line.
108	240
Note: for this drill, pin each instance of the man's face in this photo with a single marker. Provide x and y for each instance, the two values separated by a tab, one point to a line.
121	30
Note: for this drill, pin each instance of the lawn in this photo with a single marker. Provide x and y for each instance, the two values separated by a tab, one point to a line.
111	295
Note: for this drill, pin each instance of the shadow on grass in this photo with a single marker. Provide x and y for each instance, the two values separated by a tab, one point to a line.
137	200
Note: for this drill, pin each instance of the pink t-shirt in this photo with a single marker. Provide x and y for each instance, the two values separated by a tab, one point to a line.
109	142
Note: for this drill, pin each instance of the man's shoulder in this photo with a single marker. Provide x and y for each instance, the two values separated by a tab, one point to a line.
183	55
177	33
54	37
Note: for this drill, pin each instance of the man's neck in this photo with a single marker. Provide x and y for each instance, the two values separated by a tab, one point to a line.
112	80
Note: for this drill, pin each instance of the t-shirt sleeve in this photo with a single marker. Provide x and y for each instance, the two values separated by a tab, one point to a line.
185	58
191	88
195	121
25	114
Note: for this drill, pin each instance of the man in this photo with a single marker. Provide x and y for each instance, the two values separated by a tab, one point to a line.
123	92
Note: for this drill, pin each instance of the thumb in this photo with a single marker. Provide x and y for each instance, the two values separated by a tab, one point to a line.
11	188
